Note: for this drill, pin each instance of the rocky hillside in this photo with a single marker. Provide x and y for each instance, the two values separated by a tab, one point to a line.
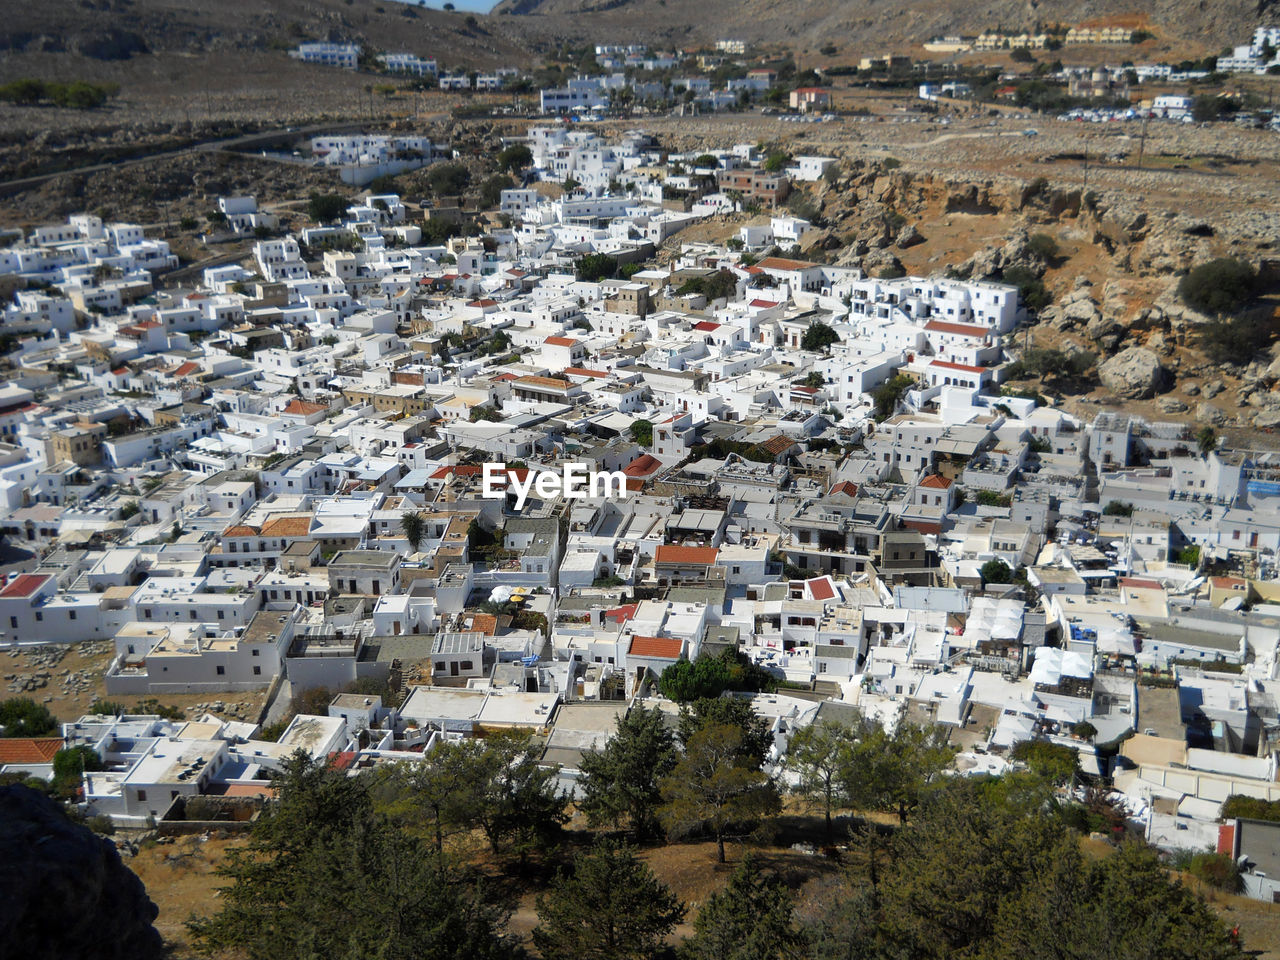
1212	22
1111	277
116	30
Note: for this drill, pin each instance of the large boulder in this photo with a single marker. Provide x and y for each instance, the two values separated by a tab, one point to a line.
1133	374
64	891
1208	413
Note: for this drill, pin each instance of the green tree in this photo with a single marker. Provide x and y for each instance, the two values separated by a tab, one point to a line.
996	571
611	907
491	190
595	267
818	337
23	717
1117	508
414	526
448	179
621	782
715	787
1042	246
515	157
1219	287
750	919
69	767
322	875
895	771
642	432
687	680
1207	107
888	394
819	754
1206	440
326	207
514	800
426	796
735	711
709	676
1057	763
1030	287
1251	808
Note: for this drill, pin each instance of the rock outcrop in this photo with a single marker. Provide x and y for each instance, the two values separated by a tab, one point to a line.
1134	374
64	892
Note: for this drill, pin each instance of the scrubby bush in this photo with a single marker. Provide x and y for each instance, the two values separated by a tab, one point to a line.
1219	287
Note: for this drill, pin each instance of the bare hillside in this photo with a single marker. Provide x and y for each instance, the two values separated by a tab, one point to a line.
1209	24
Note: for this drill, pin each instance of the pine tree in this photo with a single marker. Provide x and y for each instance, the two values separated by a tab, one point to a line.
611	907
620	782
750	919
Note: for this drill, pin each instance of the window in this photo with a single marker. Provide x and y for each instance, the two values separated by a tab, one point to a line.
256	651
71	614
257	671
142	796
221	670
192	614
13	623
465	665
39	616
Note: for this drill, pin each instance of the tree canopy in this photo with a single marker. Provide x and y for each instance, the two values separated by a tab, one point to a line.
717	787
610	907
819	336
621	782
326	207
323	875
23	717
750	919
710	676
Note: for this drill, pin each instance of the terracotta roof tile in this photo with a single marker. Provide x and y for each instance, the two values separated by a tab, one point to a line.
674	553
29	749
661	648
287	527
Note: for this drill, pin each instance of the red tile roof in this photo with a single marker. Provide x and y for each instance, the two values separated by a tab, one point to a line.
763	303
302	408
486	302
936	482
240	530
781	263
287	527
644	465
660	648
963	329
622	613
186	369
1225	582
685	555
584	372
847	487
29	749
821	588
706	326
461	470
25	584
778	444
957	366
560	341
485	623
